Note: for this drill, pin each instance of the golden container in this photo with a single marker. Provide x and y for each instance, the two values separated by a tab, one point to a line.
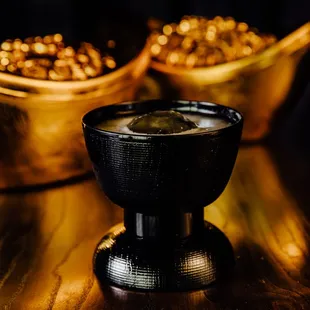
256	85
40	122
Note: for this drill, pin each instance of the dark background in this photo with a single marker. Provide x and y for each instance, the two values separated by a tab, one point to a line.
277	16
73	17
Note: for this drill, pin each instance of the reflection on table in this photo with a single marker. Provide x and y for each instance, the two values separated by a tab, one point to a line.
47	239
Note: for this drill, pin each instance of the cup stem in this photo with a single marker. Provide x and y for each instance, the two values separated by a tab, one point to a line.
172	224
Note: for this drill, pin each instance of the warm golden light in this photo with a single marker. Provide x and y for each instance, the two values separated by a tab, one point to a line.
90	71
185	26
110	62
292	250
69	51
191	60
247	50
52	49
212	28
210	60
68	65
48	39
38	39
187	43
173	58
241	75
66	250
270	218
40	48
17	44
53	75
264	223
83	58
28	63
58	37
162	40
20	64
216	36
243	27
230	24
6	46
12	68
60	63
4	54
210	35
194	23
155	49
24	47
46	111
4	61
167	30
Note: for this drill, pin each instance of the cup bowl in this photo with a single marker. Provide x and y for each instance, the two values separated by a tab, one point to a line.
150	173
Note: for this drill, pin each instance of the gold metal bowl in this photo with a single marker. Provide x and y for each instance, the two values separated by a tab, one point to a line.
40	121
256	85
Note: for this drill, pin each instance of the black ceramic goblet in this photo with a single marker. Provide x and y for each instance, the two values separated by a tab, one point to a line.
163	182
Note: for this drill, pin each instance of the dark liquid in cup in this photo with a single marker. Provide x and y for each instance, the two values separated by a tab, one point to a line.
164	122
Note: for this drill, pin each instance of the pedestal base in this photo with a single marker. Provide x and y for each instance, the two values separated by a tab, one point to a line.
163	264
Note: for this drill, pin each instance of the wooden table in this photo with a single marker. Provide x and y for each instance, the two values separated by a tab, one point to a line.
47	239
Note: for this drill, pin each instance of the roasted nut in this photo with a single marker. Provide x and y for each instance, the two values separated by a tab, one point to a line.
198	42
49	58
36	72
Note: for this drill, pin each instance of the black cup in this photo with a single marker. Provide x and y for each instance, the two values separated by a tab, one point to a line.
163	182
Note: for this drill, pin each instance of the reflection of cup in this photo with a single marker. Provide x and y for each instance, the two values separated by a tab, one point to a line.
163	182
115	298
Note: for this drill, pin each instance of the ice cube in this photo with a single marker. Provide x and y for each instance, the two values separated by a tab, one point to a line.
161	122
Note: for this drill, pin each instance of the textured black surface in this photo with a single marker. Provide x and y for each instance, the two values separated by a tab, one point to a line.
160	172
157	265
163	182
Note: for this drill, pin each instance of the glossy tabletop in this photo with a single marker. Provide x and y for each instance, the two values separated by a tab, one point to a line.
47	239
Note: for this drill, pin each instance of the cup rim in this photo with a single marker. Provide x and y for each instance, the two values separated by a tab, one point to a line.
194	107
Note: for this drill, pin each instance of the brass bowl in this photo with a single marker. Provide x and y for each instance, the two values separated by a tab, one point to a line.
256	85
40	121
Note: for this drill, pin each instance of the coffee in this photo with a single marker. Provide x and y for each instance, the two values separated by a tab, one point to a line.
164	122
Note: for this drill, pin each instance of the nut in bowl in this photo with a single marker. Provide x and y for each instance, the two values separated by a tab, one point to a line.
226	62
47	85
